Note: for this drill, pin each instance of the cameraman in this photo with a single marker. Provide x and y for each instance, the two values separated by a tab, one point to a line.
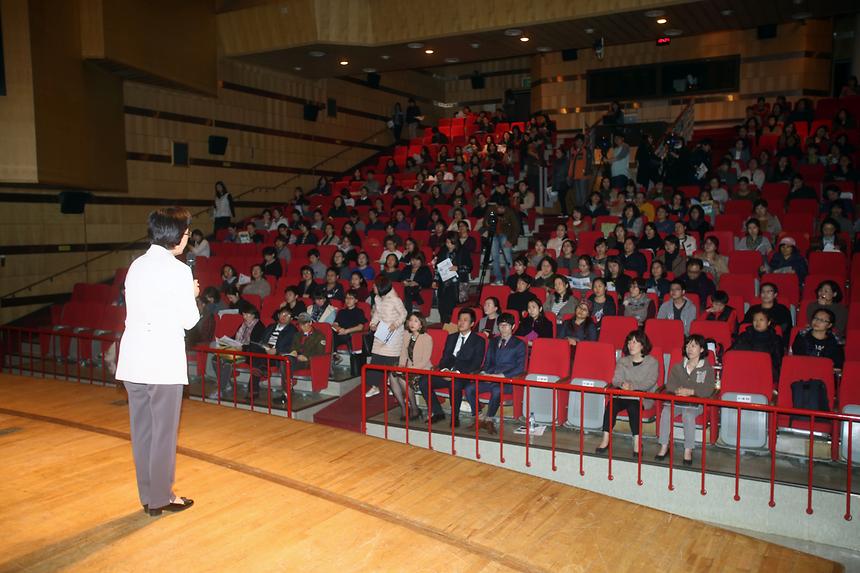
503	227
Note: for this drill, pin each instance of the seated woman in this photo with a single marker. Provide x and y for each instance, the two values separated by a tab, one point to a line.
348	320
546	271
615	278
534	324
415	277
828	238
559	300
673	258
762	338
307	285
601	304
250	332
258	285
567	259
332	288
321	310
636	370
489	323
651	238
657	282
555	243
520	267
519	299
631	220
538	254
616	238
720	310
788	260
363	266
358	283
582	276
830	298
692	377
329	237
391	268
753	240
631	259
714	264
579	327
228	277
637	303
415	353
819	339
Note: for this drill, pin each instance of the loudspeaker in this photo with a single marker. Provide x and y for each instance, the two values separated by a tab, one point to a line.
373	80
568	55
767	32
311	111
73	202
217	145
478	82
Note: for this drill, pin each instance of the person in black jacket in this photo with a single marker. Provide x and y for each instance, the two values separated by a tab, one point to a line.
415	277
448	293
819	339
761	337
534	324
464	353
271	264
275	341
779	314
248	338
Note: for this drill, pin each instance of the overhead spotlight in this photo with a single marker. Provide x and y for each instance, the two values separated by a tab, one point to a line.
452	60
428	51
524	39
801	15
297	68
385	57
662	20
513	32
316	53
368	70
589	30
544	49
344	62
415	45
673	32
475	45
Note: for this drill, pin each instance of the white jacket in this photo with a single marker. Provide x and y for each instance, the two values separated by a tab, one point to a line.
160	307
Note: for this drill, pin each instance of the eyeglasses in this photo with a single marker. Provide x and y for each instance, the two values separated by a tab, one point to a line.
819	319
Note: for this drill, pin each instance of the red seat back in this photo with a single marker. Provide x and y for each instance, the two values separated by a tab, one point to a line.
667	333
747	372
594	360
614	330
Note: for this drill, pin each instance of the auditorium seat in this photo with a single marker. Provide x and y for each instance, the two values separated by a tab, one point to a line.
849	403
614	330
549	361
717	330
797	368
594	367
666	333
747	379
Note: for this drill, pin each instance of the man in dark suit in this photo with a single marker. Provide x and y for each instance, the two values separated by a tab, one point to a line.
464	352
506	358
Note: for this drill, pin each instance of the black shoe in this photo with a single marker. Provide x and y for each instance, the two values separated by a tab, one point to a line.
601	450
145	508
172	507
688	462
436	418
457	422
660	458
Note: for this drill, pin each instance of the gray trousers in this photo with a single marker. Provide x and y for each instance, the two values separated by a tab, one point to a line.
154	414
688	418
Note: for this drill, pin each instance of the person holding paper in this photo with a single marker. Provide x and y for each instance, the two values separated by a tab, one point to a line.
248	338
386	321
453	267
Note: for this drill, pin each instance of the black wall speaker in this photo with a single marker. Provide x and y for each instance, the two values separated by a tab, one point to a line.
217	145
331	107
568	55
311	111
478	82
73	202
373	80
767	32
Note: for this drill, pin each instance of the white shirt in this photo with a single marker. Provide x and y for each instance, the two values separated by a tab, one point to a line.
461	340
222	206
160	307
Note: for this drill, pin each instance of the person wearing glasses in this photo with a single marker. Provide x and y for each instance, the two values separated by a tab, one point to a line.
160	294
819	339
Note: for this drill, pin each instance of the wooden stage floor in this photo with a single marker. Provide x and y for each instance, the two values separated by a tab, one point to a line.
279	495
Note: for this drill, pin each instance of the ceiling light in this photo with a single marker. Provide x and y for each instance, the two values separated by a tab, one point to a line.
655	13
524	39
672	32
513	32
344	62
316	53
662	20
589	30
802	15
544	49
452	60
368	70
297	68
428	51
415	45
475	45
727	12
385	56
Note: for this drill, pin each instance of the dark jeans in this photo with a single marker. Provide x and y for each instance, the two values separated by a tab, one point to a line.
619	182
339	340
438	382
618	404
220	223
495	391
377	377
561	190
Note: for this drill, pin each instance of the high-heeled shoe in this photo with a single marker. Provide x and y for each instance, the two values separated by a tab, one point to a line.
599	450
661	457
688	462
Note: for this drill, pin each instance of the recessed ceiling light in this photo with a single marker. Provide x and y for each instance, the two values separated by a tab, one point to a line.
428	51
544	49
662	20
589	30
344	62
316	53
672	32
727	12
415	45
368	70
297	68
524	39
452	60
513	32
802	15
655	13
475	45
385	57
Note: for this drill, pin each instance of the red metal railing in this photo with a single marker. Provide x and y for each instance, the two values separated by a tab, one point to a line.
609	393
47	352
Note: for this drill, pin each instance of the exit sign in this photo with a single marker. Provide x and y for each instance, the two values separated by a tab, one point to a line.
664	41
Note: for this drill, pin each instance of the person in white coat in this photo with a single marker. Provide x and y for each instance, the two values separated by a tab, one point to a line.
160	294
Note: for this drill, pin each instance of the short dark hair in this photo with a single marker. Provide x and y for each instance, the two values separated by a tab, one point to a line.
314	253
507	318
678	282
698	339
469	311
721	297
771	285
383	285
421	318
837	292
270	251
640	336
246	307
168	225
495	301
831	317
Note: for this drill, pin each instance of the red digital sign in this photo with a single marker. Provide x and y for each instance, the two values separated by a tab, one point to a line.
664	41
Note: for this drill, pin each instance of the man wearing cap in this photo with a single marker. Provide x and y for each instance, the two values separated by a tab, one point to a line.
307	343
506	358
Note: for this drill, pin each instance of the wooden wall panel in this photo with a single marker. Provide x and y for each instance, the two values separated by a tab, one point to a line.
18	141
500	75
